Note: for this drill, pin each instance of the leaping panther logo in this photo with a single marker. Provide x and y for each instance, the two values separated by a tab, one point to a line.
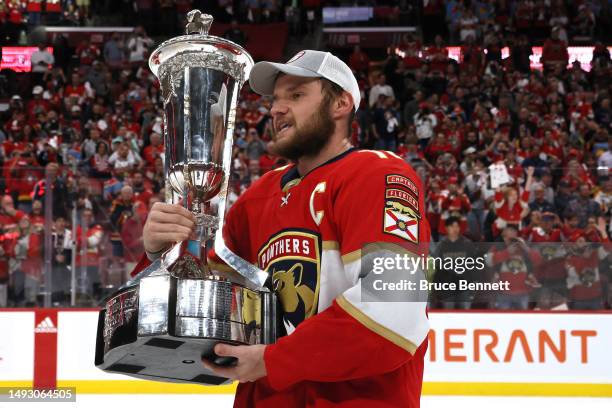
289	288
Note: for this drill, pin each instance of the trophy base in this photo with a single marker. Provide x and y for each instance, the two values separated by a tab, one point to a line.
165	358
160	326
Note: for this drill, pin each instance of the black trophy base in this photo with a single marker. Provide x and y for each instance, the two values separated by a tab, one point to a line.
164	358
167	359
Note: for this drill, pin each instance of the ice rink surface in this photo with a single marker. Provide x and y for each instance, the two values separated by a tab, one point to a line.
225	401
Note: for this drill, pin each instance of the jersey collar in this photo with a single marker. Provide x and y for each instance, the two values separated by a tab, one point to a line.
292	176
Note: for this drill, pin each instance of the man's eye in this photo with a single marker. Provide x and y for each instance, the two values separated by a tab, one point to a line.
296	95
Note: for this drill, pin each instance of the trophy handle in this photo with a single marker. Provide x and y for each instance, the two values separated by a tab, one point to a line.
253	275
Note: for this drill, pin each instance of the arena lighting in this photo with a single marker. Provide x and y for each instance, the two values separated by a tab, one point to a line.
19	59
584	55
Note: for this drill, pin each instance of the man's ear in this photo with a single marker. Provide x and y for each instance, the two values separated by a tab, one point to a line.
342	106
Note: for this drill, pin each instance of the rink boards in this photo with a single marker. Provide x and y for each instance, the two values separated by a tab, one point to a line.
470	353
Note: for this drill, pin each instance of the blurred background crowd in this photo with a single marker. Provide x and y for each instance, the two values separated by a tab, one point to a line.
515	157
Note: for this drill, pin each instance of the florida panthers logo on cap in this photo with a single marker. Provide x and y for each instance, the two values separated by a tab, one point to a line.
296	56
293	260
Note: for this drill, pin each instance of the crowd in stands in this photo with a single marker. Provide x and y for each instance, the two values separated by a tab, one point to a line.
89	132
455	19
158	17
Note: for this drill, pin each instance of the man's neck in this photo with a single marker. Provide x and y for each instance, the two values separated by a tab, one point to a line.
306	164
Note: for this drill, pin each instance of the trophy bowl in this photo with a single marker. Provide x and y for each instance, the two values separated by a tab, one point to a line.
162	323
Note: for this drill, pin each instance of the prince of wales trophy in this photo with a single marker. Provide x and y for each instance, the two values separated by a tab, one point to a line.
159	325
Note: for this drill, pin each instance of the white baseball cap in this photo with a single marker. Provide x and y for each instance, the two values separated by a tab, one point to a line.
307	63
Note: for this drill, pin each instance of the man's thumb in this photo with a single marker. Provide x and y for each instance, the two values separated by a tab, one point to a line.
224	350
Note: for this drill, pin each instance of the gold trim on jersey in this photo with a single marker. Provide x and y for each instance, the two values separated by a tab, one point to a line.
291	184
351	256
377	328
331	245
282	168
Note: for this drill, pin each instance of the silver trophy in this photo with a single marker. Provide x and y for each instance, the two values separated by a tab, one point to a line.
162	323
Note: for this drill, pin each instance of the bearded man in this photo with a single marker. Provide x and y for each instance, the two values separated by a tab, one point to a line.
306	224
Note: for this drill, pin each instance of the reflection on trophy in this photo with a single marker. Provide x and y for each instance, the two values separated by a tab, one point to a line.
159	325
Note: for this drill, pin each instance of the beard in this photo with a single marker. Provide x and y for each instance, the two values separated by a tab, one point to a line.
308	139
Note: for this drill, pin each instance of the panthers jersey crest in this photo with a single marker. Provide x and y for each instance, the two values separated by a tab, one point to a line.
293	260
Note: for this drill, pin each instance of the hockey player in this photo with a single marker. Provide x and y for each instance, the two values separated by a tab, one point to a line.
306	224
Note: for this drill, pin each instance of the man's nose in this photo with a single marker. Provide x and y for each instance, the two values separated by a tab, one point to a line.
278	108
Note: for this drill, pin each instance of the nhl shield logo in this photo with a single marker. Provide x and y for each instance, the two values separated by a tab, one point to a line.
293	260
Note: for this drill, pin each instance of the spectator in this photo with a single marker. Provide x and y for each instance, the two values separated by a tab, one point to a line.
99	162
584	22
454	246
554	53
509	208
154	150
386	124
89	145
72	15
604	196
514	262
412	107
131	237
437	56
141	189
559	19
583	277
380	88
520	54
41	60
583	206
53	11
454	204
138	45
123	159
59	189
37	217
89	236
87	53
27	263
121	210
425	123
4	270
34	9
255	147
60	262
97	79
114	52
468	24
9	216
540	203
605	160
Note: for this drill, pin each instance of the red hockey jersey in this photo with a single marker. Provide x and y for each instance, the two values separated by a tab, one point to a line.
308	232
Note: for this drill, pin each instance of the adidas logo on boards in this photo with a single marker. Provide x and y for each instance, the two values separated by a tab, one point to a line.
45	326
